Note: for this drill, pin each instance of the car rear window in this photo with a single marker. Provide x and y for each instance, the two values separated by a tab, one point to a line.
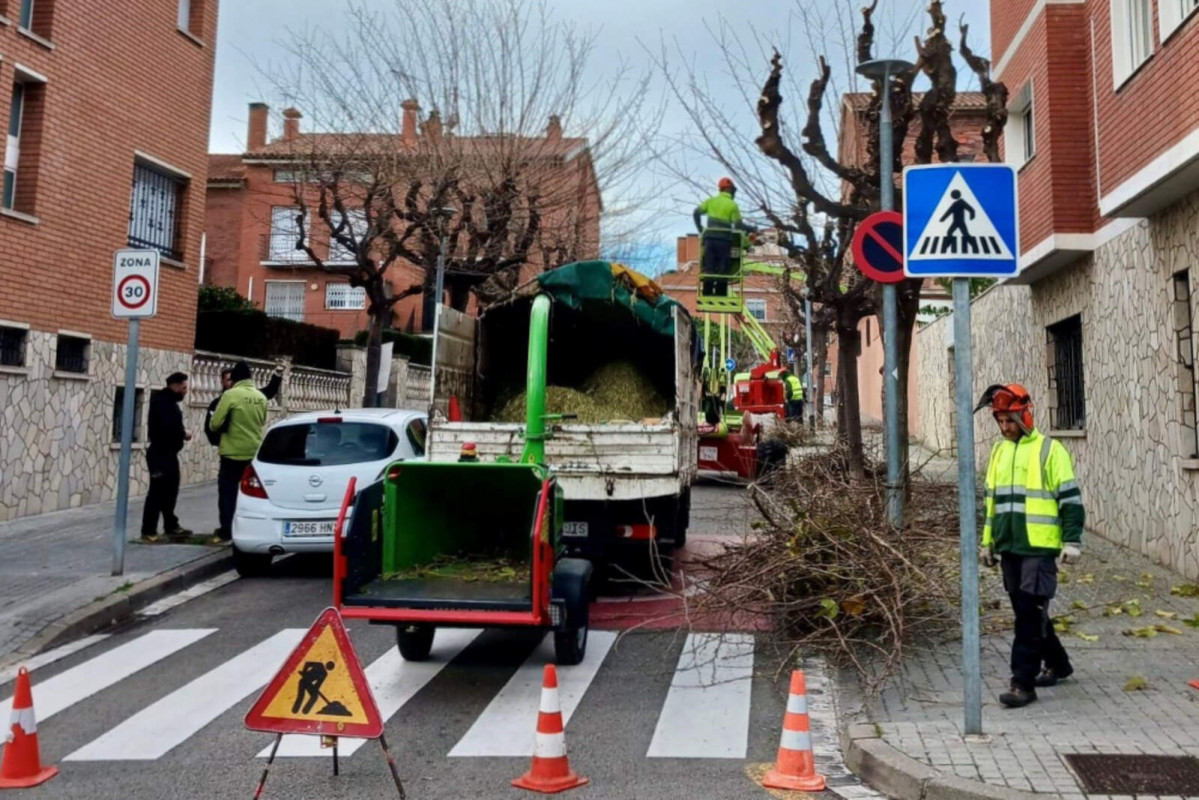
326	444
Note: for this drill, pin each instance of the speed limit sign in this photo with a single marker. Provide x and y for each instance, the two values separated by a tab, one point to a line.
135	284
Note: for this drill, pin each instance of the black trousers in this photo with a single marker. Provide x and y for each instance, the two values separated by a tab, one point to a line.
718	258
795	409
164	493
227	482
1031	584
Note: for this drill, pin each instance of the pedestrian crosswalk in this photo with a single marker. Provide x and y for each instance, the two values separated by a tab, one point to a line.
704	712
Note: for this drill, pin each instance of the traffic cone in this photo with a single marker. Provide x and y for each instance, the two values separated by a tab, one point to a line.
22	764
550	772
455	409
795	769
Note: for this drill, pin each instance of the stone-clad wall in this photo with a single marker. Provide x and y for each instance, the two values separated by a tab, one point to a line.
1135	460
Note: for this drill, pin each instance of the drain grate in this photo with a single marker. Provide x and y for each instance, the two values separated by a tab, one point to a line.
1144	775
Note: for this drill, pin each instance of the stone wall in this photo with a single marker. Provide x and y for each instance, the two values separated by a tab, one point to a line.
1135	458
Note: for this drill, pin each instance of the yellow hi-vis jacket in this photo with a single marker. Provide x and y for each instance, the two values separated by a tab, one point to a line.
795	386
1033	502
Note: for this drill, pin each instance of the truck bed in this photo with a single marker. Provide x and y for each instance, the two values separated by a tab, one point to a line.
443	593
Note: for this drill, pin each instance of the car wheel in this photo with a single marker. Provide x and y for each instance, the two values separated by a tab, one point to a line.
415	641
570	645
251	565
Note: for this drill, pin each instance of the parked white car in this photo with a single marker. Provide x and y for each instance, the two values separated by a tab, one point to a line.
292	491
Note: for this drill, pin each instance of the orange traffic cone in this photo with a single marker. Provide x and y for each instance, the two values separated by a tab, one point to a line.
550	772
455	409
22	764
795	769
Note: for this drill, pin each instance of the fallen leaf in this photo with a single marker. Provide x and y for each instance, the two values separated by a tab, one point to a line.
1080	605
1185	590
1088	578
1135	684
1142	633
828	608
1113	611
1132	608
1166	614
1193	621
1146	580
854	606
1086	637
1119	579
1168	629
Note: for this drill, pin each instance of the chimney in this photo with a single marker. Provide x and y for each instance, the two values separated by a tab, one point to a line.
411	109
553	131
256	137
291	124
432	126
688	251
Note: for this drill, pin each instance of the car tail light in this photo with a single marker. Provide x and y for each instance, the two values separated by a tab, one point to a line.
251	486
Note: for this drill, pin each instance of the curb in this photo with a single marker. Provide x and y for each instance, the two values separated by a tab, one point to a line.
116	609
894	773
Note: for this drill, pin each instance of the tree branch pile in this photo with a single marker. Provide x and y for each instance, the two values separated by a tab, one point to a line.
824	566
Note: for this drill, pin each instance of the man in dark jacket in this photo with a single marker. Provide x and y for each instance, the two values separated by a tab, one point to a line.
167	435
269	391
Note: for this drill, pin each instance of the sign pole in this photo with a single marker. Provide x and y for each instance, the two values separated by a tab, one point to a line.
967	505
890	321
120	518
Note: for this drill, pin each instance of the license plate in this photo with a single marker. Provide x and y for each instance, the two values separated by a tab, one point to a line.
316	527
574	528
707	454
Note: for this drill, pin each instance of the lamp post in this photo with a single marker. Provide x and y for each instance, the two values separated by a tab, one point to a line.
442	216
883	70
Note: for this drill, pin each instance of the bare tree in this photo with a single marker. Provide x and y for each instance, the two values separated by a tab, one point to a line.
504	173
812	196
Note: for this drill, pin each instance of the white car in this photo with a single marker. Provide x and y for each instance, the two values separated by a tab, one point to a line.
292	491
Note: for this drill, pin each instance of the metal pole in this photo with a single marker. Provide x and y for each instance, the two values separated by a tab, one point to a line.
119	518
890	322
437	320
810	396
963	370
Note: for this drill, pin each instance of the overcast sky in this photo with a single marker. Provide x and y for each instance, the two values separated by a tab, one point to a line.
250	31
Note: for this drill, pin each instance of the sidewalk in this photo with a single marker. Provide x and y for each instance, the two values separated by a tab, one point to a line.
1129	695
55	569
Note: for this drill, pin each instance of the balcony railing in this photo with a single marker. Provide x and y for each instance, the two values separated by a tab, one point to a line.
281	248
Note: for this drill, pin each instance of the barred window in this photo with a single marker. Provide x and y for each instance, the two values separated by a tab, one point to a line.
12	346
343	297
1184	332
71	353
756	308
1066	388
154	211
118	403
285	299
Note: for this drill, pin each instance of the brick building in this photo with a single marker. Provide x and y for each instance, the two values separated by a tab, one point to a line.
107	130
1099	323
252	207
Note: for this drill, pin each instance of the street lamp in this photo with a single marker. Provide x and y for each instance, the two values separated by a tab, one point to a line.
441	216
883	70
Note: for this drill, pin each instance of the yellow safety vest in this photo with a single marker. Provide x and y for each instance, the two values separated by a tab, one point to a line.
1033	502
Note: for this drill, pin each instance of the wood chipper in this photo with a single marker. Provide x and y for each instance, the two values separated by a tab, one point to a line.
468	543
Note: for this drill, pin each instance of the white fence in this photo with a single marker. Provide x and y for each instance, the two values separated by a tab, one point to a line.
417	387
302	389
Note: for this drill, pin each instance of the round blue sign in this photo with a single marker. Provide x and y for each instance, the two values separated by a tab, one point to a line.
730	364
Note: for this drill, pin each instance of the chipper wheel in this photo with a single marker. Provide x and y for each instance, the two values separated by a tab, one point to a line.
415	641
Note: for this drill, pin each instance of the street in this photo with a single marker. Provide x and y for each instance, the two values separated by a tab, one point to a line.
155	709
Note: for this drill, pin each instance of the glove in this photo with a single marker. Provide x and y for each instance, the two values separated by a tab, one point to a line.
986	557
1071	553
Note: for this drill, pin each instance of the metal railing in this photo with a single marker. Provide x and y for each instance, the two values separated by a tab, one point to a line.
280	247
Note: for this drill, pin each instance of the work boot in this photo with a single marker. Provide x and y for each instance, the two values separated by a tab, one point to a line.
1050	677
1017	697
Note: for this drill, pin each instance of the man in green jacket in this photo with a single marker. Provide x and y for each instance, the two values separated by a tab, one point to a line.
241	416
1034	520
720	236
795	396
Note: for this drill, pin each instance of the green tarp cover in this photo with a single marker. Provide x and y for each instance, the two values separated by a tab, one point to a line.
585	283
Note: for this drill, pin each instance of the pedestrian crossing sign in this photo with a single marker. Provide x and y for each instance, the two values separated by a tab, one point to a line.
321	689
960	221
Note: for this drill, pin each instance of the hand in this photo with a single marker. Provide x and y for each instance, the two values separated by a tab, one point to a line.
986	557
1071	553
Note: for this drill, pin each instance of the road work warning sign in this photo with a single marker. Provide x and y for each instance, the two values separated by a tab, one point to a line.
321	689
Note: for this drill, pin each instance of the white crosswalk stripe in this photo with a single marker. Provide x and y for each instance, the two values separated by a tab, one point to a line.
507	727
393	683
158	728
78	683
706	713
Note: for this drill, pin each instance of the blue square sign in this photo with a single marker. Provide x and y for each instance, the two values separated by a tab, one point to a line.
960	221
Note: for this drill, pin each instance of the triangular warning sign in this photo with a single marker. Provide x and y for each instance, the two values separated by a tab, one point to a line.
960	229
320	690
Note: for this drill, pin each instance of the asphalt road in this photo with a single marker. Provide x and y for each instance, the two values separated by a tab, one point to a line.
155	710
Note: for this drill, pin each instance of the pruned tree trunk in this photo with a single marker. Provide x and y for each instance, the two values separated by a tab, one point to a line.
849	409
819	357
374	352
908	308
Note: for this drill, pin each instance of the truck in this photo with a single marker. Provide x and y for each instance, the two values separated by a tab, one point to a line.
627	483
510	535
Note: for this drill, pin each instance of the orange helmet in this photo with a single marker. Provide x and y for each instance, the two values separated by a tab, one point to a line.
1010	399
726	185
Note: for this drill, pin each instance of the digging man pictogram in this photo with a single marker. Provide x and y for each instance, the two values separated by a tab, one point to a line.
958	210
312	677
